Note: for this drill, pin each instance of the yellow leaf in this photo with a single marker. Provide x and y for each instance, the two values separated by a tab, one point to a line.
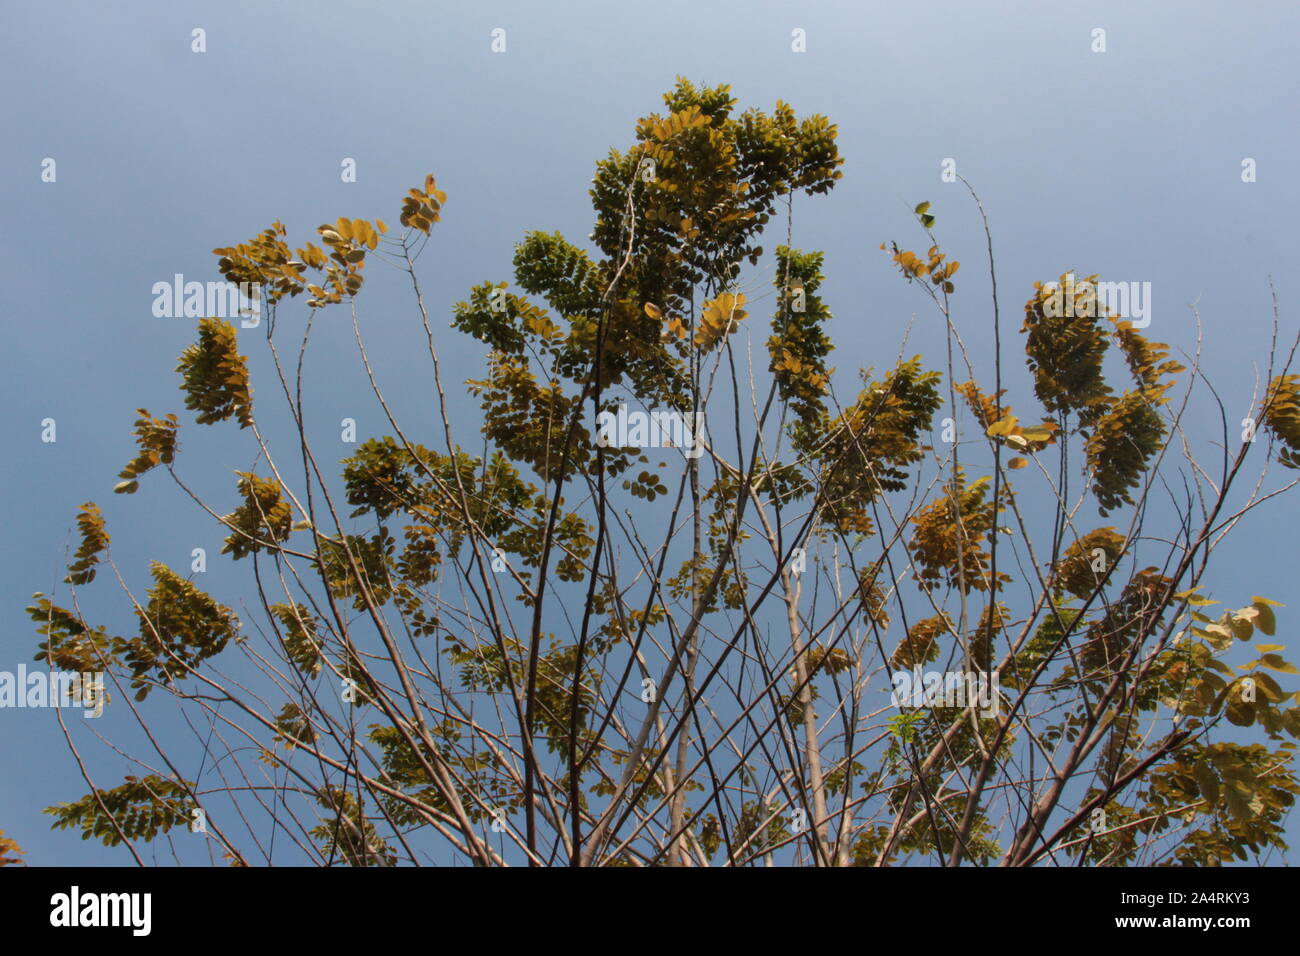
1274	662
1002	426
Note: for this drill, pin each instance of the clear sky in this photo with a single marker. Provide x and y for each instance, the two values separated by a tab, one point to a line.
1125	163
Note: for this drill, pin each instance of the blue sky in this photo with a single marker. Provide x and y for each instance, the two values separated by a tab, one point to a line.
1125	163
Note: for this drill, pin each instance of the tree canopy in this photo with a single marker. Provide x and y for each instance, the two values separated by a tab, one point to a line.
507	641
